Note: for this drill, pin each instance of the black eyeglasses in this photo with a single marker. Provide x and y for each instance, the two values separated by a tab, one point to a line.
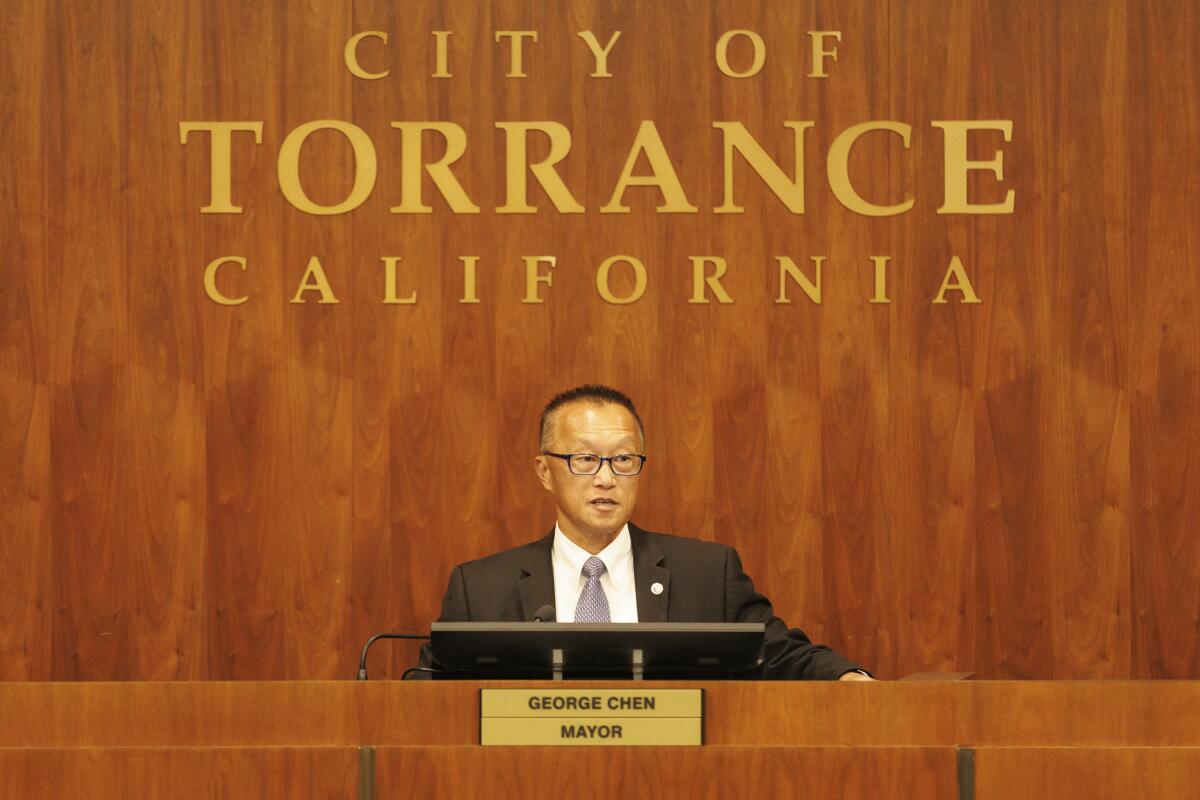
626	465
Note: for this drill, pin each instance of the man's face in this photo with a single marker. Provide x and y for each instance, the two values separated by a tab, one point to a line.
591	506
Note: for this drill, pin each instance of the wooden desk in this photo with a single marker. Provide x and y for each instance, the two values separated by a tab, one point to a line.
1061	739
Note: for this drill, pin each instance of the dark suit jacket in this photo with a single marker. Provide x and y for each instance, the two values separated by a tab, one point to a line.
703	582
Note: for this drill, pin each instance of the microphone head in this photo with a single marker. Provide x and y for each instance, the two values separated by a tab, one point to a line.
544	614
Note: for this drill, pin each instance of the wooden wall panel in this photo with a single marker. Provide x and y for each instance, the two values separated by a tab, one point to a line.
1088	419
249	431
1012	408
1165	341
932	356
90	339
199	491
684	441
854	376
167	496
792	452
26	485
378	551
315	526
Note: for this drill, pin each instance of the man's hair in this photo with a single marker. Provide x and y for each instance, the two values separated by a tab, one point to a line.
588	393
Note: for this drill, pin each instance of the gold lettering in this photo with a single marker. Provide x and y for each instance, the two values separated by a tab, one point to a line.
699	279
788	269
639	280
599	53
533	277
958	165
364	167
756	65
314	280
220	169
516	40
411	161
516	189
441	54
820	52
663	174
961	283
469	297
389	284
210	281
880	296
838	167
350	55
790	191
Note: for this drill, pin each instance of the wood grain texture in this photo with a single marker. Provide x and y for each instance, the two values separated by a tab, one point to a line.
1165	345
193	491
854	375
930	492
90	339
1169	773
301	738
768	714
167	496
1088	418
180	772
1160	774
316	425
248	422
26	479
1015	635
714	772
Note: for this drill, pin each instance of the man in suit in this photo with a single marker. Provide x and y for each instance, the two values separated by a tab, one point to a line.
595	566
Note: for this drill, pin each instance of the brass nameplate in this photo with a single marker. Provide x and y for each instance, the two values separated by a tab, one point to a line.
655	717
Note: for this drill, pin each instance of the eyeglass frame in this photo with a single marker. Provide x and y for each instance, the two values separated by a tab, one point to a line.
568	456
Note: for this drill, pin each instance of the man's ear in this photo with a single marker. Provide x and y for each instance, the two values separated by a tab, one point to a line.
541	466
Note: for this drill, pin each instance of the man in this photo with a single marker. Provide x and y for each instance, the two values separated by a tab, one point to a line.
597	567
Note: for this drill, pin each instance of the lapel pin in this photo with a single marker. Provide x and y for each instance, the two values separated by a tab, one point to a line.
656	588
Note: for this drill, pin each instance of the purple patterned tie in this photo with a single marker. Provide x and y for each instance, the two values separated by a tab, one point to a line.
593	605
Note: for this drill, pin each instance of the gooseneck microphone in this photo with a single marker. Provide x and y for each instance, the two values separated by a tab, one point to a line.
543	614
362	660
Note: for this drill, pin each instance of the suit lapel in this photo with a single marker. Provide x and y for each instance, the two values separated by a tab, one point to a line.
649	573
537	581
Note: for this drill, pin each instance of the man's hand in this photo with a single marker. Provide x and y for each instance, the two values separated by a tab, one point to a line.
855	676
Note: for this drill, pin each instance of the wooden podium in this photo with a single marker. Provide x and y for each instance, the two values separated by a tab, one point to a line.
343	739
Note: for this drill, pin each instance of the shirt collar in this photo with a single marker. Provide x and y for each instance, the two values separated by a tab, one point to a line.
616	556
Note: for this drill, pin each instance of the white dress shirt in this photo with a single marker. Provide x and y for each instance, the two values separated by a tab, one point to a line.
617	581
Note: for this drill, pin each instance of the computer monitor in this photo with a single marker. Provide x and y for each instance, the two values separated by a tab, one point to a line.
553	650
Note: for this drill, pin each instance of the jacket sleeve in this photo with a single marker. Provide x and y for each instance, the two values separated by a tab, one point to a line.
788	653
454	609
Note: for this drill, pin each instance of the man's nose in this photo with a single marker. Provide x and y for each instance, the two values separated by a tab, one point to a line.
601	479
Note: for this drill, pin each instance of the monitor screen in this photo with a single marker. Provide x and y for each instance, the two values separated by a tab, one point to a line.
526	650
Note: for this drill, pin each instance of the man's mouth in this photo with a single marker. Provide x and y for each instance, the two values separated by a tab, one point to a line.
603	501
